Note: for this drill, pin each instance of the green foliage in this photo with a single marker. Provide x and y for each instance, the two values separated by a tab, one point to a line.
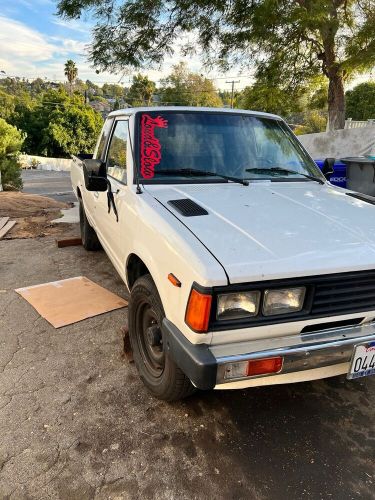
56	123
71	72
360	102
93	89
67	125
113	91
313	122
7	105
11	141
296	39
141	91
183	88
270	99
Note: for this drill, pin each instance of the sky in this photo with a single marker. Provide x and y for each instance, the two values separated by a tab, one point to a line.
34	42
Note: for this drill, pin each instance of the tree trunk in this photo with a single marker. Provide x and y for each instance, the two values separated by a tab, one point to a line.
336	101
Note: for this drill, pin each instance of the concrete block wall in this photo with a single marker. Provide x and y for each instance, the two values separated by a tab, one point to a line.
340	143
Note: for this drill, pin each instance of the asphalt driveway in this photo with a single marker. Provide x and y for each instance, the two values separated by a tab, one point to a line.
77	423
56	185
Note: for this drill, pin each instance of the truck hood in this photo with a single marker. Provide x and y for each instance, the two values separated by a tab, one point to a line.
280	229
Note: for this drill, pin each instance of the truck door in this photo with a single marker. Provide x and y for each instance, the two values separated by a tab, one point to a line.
110	227
90	197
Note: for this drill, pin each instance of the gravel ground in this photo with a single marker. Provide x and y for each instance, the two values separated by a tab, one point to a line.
76	422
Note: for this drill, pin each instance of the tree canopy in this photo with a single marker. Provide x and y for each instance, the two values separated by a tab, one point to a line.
184	88
141	91
54	122
65	125
295	39
71	72
11	140
360	102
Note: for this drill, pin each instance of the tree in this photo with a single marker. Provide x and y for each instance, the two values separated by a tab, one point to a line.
263	96
112	90
360	102
141	91
7	105
11	140
313	122
183	88
66	125
93	89
294	38
71	72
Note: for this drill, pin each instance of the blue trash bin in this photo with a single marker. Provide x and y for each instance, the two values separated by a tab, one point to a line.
338	178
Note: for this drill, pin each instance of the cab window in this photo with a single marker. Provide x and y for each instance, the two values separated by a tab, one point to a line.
100	147
116	157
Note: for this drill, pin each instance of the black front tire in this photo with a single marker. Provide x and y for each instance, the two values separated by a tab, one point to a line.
89	237
158	371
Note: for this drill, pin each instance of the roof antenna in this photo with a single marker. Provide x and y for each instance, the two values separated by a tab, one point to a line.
138	190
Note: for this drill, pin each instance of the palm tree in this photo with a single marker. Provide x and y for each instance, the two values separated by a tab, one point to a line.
71	72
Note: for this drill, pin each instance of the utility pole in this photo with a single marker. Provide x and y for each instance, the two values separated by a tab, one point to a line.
231	99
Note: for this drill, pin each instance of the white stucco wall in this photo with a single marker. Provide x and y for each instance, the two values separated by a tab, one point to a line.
57	164
340	143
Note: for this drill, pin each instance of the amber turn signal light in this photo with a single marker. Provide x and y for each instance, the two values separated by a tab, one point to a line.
175	281
198	311
264	366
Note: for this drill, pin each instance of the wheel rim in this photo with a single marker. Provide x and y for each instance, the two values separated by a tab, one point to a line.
150	339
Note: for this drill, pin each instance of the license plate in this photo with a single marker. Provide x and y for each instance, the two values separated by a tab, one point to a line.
363	361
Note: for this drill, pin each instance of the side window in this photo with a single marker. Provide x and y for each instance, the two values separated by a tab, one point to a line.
116	157
99	153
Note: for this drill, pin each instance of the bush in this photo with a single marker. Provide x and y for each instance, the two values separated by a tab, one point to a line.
11	140
313	122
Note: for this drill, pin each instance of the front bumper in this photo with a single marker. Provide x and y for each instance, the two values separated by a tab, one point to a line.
205	365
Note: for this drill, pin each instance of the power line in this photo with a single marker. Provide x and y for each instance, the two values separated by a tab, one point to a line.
231	99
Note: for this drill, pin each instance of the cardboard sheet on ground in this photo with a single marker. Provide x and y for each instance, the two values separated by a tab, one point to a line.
67	301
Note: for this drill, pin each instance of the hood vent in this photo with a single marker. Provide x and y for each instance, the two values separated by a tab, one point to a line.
187	207
363	197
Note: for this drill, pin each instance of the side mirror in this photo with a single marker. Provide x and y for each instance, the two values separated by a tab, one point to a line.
327	169
91	172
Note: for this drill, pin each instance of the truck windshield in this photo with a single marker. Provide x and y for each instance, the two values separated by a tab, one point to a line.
219	147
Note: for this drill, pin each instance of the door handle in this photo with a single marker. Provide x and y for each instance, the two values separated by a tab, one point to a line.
96	194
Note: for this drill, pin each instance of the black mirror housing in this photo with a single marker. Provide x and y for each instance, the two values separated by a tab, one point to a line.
91	172
97	184
327	169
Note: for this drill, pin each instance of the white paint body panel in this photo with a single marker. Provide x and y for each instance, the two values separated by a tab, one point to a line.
271	230
252	233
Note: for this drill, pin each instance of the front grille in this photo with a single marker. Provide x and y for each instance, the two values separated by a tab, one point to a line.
344	293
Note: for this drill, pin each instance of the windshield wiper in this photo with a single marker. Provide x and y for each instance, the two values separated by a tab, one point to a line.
284	171
196	171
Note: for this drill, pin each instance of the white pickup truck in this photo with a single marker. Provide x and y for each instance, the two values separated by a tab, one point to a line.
245	266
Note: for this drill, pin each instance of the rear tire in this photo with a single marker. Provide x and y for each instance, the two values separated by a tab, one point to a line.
89	237
158	371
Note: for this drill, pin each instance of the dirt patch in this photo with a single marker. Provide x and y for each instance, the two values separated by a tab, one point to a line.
33	214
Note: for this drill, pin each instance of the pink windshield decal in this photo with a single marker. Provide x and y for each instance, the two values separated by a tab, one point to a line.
150	145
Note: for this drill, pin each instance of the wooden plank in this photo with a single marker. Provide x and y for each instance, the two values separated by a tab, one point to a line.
3	221
69	242
8	226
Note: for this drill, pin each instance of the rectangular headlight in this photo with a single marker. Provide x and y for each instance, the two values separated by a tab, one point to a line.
283	301
237	305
